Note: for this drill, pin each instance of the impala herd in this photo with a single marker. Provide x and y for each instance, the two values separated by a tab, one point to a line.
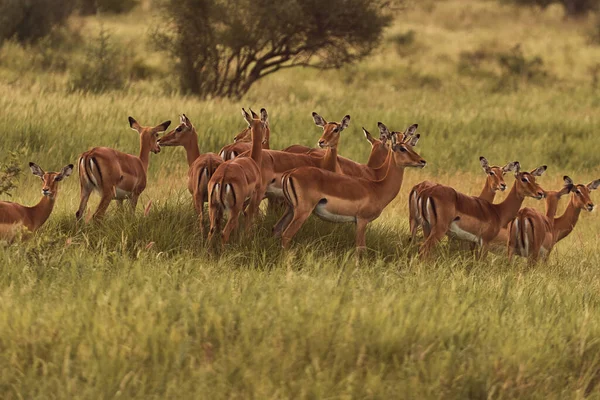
318	181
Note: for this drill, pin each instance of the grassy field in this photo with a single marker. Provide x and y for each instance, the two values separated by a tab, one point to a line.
136	307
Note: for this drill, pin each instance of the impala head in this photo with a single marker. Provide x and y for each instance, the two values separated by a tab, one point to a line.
495	174
183	134
260	124
402	146
50	179
148	134
245	136
581	195
566	189
331	130
525	182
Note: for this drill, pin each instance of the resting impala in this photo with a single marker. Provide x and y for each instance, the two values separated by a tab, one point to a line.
340	198
14	216
236	181
534	235
117	175
242	142
470	218
201	166
494	182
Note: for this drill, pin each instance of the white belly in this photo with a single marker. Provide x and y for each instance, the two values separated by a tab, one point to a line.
122	194
463	235
275	191
328	216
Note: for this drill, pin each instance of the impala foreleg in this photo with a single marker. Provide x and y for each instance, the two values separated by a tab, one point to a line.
298	219
361	229
284	221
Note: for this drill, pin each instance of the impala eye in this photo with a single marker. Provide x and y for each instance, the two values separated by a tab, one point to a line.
578	192
403	149
492	173
178	129
524	180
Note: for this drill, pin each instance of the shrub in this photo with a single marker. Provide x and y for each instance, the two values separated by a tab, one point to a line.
517	69
29	20
573	8
222	47
103	68
9	171
109	6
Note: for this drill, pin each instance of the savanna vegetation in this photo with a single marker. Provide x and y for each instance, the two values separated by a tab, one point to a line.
136	306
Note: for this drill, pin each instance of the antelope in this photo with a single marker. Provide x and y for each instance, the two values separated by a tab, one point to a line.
534	235
236	181
494	182
117	175
14	216
242	142
341	198
469	218
201	166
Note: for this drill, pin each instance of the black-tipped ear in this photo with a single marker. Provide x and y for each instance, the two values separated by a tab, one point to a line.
254	115
247	117
36	170
383	130
510	167
539	170
162	127
185	120
516	167
133	124
414	140
593	185
345	122
411	130
368	136
64	173
484	164
319	121
263	115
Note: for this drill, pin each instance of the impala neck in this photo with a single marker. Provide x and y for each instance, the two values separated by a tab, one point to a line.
377	157
389	186
564	224
509	208
256	152
192	150
39	213
551	206
487	193
330	159
144	154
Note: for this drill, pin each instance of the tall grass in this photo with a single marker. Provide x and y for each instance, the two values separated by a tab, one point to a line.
138	306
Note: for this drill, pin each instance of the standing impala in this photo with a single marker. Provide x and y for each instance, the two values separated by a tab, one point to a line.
14	216
237	181
534	235
201	166
340	198
470	218
117	175
242	142
494	182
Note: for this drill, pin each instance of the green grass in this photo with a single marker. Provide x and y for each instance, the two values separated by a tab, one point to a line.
137	306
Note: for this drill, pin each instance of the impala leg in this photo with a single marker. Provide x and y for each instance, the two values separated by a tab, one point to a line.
198	200
284	221
297	221
433	238
232	224
85	196
107	196
252	210
361	241
133	200
215	213
414	226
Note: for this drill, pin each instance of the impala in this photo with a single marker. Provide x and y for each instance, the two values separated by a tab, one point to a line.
242	142
494	182
14	216
341	198
117	175
470	218
201	166
534	235
237	181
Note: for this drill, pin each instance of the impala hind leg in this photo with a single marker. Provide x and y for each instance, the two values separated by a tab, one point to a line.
231	225
252	210
433	238
198	200
215	214
284	221
86	191
133	200
107	196
361	241
298	219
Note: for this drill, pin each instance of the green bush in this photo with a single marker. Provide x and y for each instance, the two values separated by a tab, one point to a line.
573	8
109	6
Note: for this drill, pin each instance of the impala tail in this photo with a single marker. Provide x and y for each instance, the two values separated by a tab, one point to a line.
90	175
521	235
289	189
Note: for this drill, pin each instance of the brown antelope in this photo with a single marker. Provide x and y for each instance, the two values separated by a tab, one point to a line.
236	181
341	198
117	175
470	218
14	216
242	142
534	235
201	166
494	182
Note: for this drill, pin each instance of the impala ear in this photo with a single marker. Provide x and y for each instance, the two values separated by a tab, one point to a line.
162	127
264	117
539	170
36	170
593	185
484	164
64	173
247	117
368	136
411	130
254	115
185	120
567	187
133	124
384	131
345	122
517	167
414	140
319	121
512	166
